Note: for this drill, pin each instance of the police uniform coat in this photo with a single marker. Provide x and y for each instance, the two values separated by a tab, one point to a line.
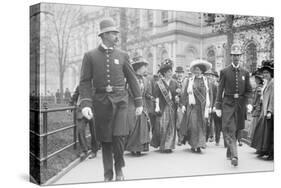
101	68
233	81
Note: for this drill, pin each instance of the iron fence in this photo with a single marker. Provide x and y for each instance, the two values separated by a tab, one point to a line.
45	133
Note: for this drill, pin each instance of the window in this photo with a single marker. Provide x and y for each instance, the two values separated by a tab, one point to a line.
211	57
164	55
251	57
150	18
271	52
150	61
190	55
164	17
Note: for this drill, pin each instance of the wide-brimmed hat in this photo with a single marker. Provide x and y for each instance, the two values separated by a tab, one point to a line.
267	65
107	25
258	74
165	65
213	73
138	62
179	69
202	64
235	49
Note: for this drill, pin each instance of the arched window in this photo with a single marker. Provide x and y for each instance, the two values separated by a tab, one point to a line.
164	16
190	55
211	57
271	52
251	57
150	65
164	55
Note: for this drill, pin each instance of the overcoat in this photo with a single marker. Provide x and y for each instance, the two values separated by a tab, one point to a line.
184	126
173	86
102	68
233	81
263	137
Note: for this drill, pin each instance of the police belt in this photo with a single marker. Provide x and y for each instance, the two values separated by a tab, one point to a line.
235	96
110	89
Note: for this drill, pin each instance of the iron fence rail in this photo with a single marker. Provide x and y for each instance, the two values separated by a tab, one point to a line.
45	133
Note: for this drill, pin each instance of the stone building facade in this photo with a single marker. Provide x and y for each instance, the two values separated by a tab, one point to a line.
160	34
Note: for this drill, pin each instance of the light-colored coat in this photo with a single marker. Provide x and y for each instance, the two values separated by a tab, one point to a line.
268	98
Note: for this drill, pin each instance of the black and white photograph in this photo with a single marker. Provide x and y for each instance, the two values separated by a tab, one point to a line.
120	94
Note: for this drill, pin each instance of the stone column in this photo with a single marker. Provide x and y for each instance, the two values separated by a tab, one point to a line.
154	66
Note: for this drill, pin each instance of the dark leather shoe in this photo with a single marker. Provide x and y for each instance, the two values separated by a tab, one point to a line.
261	154
193	150
107	179
179	143
234	161
199	150
228	155
119	175
92	155
83	156
269	158
240	143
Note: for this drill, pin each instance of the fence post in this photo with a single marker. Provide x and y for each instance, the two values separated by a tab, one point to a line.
74	129
45	137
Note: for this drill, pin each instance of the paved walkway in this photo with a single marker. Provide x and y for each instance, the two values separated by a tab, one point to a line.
179	163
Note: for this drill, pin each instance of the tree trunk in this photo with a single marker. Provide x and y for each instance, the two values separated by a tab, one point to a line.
230	36
61	76
123	29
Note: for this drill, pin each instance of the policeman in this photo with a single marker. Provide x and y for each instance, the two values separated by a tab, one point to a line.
104	71
234	89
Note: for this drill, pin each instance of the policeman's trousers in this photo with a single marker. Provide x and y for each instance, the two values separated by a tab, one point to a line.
110	150
231	141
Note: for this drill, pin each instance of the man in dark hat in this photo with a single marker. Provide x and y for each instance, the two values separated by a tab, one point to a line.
104	70
213	86
215	122
179	77
234	90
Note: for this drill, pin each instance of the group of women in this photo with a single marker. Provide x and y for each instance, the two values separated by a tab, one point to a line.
261	130
193	98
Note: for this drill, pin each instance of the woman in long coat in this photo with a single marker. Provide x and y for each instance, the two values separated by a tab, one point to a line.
257	103
139	126
196	104
263	136
164	133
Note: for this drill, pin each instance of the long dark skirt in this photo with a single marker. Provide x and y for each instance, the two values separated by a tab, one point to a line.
263	136
138	139
193	127
253	127
164	133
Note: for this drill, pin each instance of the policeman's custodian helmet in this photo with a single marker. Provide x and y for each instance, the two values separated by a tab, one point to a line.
236	49
107	25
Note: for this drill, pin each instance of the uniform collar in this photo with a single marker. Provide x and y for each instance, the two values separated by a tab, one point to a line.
104	48
235	67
